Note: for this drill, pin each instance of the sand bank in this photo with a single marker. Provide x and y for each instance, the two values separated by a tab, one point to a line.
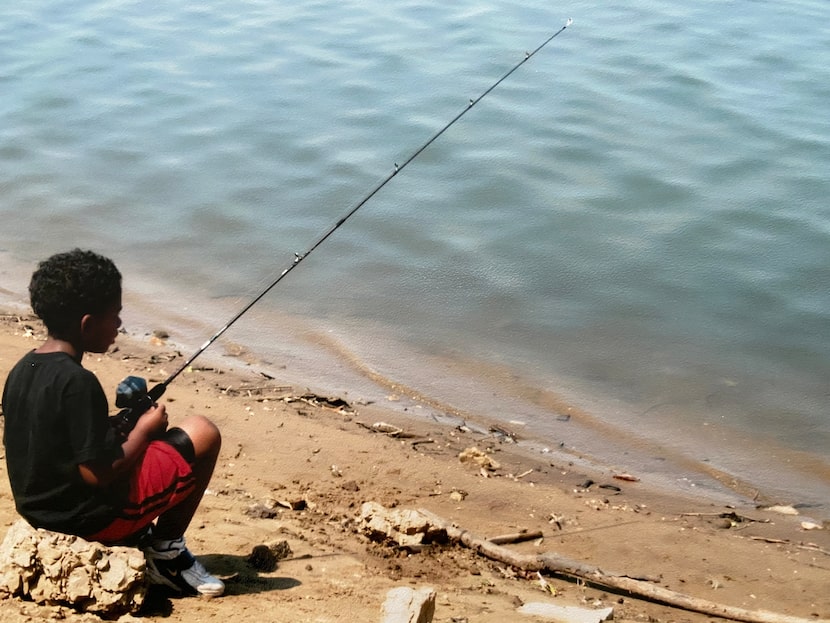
282	446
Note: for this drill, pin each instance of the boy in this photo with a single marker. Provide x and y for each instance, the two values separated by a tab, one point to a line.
69	470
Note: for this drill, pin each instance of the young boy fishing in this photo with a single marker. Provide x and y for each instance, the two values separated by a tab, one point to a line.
70	470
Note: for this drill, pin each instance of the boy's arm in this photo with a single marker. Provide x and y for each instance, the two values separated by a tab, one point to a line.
149	426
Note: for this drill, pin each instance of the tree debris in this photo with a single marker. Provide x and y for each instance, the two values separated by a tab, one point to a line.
388	429
516	537
336	404
627	477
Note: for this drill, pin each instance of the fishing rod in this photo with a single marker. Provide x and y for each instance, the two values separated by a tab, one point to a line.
132	394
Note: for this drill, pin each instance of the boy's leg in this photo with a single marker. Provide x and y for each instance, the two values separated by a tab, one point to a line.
169	562
207	442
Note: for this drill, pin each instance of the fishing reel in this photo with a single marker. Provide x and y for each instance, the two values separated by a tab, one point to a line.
134	399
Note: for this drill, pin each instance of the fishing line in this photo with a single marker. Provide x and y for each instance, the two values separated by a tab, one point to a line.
135	396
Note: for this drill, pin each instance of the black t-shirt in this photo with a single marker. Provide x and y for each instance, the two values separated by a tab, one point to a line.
56	417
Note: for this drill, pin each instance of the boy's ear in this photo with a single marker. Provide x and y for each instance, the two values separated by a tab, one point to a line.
87	324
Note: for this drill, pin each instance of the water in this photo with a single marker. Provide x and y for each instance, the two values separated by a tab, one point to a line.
633	229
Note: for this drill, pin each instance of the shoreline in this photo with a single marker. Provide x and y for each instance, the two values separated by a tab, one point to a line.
792	477
687	477
584	438
281	444
576	434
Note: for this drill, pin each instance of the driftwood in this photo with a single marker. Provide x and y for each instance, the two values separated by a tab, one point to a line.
810	547
516	537
554	563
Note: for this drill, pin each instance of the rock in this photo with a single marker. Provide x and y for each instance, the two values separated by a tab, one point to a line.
566	614
780	509
261	511
458	496
58	569
407	605
405	527
265	557
477	457
811	525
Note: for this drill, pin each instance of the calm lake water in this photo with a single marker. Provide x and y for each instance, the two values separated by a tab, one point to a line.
632	230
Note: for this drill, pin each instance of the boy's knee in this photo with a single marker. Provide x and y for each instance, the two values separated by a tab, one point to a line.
205	435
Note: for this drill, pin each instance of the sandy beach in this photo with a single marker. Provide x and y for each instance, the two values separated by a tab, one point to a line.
297	467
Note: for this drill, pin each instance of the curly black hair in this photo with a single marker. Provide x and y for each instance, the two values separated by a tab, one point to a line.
69	285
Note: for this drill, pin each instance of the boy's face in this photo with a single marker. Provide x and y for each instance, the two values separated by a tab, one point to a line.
100	330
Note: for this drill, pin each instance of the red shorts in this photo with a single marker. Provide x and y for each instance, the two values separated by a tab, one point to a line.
161	479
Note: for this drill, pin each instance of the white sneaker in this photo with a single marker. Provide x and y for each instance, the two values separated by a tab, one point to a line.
170	564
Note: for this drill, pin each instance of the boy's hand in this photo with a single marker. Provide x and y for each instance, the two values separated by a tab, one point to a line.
151	425
154	421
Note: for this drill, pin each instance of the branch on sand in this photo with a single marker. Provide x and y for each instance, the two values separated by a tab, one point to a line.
554	563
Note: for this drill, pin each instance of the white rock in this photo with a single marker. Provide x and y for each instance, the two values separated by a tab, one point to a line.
404	526
566	614
811	525
407	605
782	510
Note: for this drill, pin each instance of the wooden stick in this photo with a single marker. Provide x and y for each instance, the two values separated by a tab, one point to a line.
554	563
807	546
516	537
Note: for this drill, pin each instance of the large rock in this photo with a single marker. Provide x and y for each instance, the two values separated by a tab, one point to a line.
402	526
58	569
